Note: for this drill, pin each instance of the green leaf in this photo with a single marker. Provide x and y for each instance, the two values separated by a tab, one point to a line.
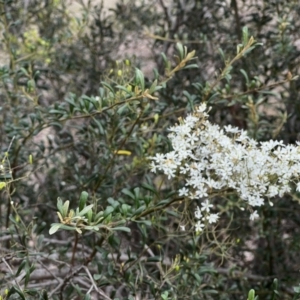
189	97
67	227
197	277
164	58
213	96
85	210
15	290
126	229
153	87
54	227
71	101
159	87
155	73
82	201
275	94
136	193
128	193
191	66
95	228
29	270
154	259
139	210
97	276
249	50
123	88
24	71
57	226
65	208
113	202
56	124
245	36
275	284
245	75
59	205
149	188
296	289
125	208
163	202
275	289
165	295
2	185
145	222
140	80
108	211
22	265
99	216
55	111
228	77
207	270
108	86
123	109
173	213
251	295
181	51
90	216
222	54
211	292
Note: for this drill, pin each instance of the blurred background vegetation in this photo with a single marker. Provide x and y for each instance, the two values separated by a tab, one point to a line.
75	117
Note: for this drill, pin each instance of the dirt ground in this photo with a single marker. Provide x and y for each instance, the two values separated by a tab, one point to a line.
107	4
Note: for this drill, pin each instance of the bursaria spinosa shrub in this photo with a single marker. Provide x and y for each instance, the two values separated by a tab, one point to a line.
212	161
80	114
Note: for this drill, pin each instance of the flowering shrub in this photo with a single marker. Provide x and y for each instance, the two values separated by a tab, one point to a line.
74	151
213	161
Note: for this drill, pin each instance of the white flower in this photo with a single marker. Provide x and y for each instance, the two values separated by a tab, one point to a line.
255	201
206	206
202	107
158	158
298	187
183	192
182	227
198	226
267	146
185	169
212	218
192	138
198	213
231	129
212	160
273	190
191	120
254	216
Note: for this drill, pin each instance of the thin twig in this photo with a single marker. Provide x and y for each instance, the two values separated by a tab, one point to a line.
161	38
49	271
62	285
256	90
74	249
12	273
98	290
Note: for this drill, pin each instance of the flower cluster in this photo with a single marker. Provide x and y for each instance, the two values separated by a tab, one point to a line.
214	160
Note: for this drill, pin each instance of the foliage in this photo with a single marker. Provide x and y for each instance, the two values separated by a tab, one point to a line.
82	216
